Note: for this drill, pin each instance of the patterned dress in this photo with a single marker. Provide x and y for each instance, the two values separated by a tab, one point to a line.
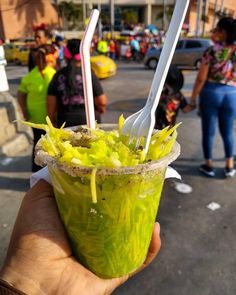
222	62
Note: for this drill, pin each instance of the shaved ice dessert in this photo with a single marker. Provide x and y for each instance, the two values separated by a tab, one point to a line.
107	192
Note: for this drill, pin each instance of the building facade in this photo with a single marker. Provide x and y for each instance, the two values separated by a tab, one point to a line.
211	10
18	16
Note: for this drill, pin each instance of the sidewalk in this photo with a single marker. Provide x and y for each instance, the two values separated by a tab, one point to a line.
14	182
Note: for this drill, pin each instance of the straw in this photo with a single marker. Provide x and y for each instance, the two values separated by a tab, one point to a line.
86	68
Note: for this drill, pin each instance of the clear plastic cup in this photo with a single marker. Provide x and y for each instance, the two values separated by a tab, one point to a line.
110	237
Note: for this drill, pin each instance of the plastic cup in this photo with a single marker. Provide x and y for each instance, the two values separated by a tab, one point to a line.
110	237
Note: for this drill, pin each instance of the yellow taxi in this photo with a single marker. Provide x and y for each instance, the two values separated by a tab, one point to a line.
108	35
20	55
102	66
10	48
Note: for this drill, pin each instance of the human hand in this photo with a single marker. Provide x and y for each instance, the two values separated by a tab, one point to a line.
189	108
39	258
101	103
192	103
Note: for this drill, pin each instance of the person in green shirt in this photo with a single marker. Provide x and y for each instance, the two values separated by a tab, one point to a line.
102	46
32	91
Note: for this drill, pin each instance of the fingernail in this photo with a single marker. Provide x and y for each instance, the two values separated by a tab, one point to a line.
157	227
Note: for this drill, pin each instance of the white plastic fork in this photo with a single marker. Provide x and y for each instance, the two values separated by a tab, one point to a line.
141	124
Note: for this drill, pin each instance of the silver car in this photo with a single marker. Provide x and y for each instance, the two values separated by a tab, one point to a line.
187	54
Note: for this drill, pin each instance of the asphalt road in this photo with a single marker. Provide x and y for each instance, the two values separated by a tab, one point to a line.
198	254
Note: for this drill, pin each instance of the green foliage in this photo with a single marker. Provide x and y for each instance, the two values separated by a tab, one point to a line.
129	16
105	18
71	14
205	18
169	12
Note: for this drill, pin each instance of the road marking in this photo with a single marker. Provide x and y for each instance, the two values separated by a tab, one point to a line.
183	188
213	206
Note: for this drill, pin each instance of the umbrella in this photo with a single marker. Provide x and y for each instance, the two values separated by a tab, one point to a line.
152	28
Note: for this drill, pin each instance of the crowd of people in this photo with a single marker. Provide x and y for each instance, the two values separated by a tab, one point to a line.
131	47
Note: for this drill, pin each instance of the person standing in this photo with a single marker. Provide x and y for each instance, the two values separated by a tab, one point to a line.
41	37
59	44
216	84
65	100
112	49
32	92
102	47
135	47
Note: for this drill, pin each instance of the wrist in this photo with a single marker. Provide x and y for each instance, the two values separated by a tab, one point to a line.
20	282
192	102
7	289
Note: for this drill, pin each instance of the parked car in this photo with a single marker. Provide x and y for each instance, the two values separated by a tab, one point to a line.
10	48
102	66
187	54
15	45
20	55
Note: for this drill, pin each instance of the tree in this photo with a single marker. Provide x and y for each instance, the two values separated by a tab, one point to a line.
168	14
105	18
71	14
129	17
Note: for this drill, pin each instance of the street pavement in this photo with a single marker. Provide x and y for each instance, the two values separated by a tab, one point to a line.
198	254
